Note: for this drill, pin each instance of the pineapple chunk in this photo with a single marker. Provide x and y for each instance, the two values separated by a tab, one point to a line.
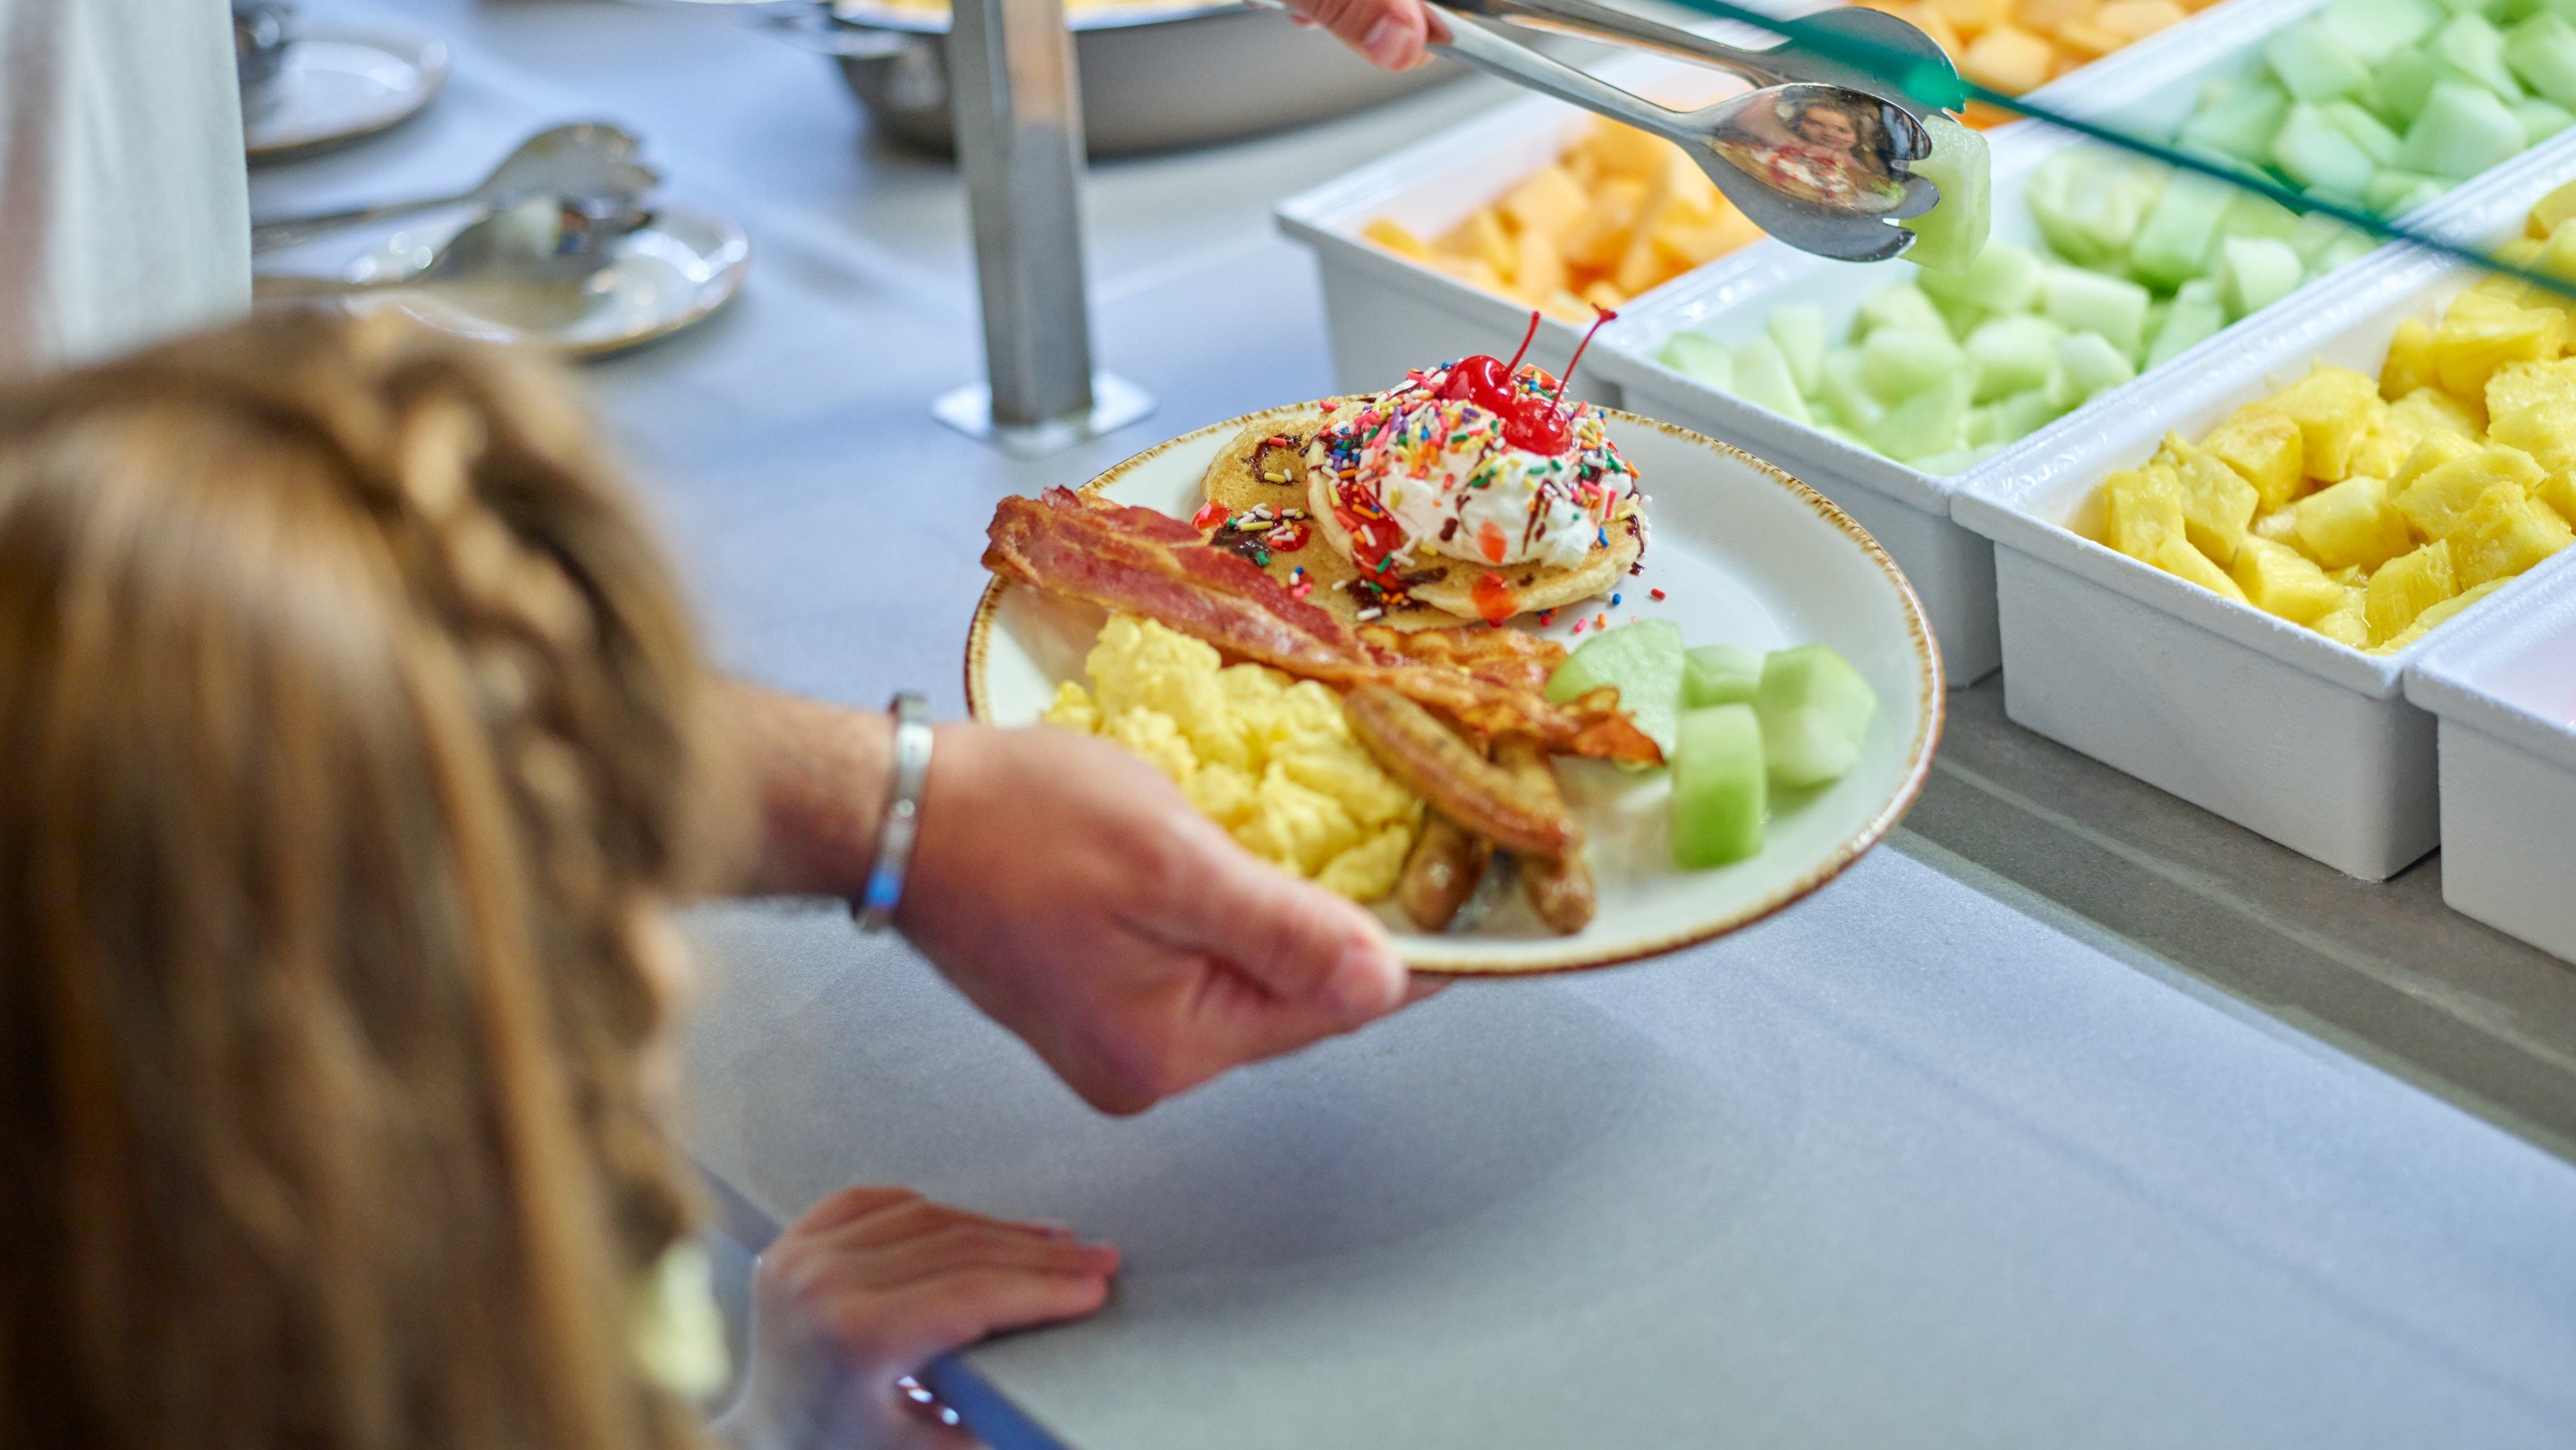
2262	444
1548	203
2505	532
2433	618
2352	522
2405	587
2280	526
2558	491
1624	150
2410	360
2333	408
2557	259
2217	503
2437	498
2140	512
1483	238
2545	430
2430	411
2481	334
1397	238
2278	579
2346	623
2385	448
2177	557
1538	268
2516	386
2550	210
2436	450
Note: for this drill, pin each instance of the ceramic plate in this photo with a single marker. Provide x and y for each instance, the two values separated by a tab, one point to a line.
334	87
1744	554
665	277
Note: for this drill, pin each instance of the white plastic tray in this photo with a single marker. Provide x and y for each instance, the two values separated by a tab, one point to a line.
2268	724
2505	694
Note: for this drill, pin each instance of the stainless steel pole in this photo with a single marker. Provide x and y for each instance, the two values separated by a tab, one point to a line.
1019	142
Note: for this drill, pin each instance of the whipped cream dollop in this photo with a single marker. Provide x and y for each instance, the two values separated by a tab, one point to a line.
1415	472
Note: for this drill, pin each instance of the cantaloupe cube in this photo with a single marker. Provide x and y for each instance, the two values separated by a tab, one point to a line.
2352	522
1624	150
2262	444
2008	59
1474	271
2140	512
2410	359
2545	430
2177	557
2278	579
2437	448
2518	385
1547	202
2481	334
2333	408
2435	501
2046	17
2135	20
2430	410
1397	238
2405	587
1972	17
2505	532
1538	268
2084	41
2348	623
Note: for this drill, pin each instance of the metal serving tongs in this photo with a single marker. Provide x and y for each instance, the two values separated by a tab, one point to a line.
1760	148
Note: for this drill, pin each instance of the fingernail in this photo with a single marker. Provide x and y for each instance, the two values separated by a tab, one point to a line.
1363	981
1384	41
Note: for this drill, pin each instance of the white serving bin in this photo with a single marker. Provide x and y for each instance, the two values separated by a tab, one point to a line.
2273	726
1386	314
2505	694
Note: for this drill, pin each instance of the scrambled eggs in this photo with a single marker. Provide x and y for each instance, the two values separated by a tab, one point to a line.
1270	759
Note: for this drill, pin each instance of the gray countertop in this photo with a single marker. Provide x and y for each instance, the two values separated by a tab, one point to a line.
2075	1117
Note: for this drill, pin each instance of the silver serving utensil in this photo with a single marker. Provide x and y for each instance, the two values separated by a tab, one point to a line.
1749	145
529	265
586	158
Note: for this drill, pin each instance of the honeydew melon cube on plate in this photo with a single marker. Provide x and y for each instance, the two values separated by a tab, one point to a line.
2400	85
1948	237
2471	45
1762	379
2012	355
2087	205
1699	356
1814	710
2542	52
2003	280
1719	674
1901	306
1933	421
2313	64
2313	152
1721	787
2255	272
1841	389
2195	317
2172	245
1799	330
1643	661
2541	119
2363	130
2376	29
2462	131
2090	364
1896	363
2082	301
2238	118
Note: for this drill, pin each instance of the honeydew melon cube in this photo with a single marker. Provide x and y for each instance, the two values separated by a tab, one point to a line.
2313	65
1815	711
1948	237
2343	251
2280	580
1933	421
2259	216
1799	331
2505	532
2542	53
2461	131
2313	152
1897	363
2003	280
2082	301
2254	273
1719	674
1985	426
2314	232
2506	12
2362	129
2472	46
2012	354
2377	29
1901	306
2026	413
1957	460
2395	192
2087	205
2238	121
2092	365
2541	119
2405	587
2400	85
1762	379
2352	522
2264	447
1644	662
2172	245
2195	317
1841	389
1721	787
1699	356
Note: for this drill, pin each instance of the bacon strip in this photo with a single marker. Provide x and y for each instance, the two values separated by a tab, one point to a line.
1153	565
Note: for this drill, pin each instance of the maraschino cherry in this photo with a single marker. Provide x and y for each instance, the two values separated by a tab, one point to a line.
1486	381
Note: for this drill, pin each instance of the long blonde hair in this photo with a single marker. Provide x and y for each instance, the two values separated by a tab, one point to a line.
352	734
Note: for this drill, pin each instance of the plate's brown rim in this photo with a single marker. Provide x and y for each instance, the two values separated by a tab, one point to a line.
1931	707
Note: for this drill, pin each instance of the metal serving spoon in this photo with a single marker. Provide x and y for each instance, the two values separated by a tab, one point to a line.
586	158
529	265
1741	142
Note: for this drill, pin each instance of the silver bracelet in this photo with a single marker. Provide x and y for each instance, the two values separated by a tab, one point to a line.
902	821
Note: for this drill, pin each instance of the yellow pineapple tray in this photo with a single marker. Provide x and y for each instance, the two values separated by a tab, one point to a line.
2277	727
